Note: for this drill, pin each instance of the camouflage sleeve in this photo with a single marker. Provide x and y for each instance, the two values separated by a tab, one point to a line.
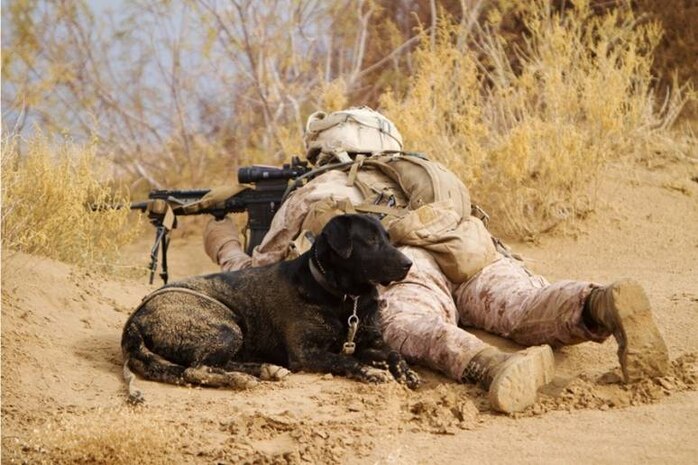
223	246
287	222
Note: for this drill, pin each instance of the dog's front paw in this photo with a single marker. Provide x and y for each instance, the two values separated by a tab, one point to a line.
379	364
374	375
271	372
407	377
412	379
402	372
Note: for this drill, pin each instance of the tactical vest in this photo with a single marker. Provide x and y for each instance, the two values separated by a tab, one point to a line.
421	204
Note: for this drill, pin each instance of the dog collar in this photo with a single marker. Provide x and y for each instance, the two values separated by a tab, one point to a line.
350	346
319	276
318	273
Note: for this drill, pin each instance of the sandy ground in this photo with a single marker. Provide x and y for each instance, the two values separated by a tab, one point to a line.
63	400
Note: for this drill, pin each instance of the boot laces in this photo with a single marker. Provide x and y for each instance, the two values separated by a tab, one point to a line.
474	372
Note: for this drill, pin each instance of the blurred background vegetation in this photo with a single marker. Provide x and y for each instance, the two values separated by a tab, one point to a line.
524	100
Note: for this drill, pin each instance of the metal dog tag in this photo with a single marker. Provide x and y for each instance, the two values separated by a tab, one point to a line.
348	348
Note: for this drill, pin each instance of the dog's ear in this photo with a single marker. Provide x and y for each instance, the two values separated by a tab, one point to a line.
338	235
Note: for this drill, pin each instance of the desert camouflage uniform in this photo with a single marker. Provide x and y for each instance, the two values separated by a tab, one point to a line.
423	312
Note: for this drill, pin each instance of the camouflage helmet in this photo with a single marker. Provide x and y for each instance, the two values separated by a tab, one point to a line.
350	131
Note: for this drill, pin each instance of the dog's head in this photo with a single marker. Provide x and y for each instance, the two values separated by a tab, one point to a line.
356	254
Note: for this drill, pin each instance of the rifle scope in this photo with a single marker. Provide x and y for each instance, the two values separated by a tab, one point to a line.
250	174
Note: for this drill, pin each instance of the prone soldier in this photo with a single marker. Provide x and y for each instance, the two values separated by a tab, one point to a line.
461	275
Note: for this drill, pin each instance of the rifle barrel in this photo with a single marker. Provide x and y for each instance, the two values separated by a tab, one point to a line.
142	206
190	194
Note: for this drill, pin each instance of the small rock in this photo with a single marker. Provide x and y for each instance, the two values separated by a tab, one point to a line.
612	377
665	383
355	406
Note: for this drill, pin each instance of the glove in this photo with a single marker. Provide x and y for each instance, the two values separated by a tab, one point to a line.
219	233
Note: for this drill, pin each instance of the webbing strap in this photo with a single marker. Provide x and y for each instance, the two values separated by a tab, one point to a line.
381	210
358	162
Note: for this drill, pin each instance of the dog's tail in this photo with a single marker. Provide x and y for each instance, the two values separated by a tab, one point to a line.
135	396
139	359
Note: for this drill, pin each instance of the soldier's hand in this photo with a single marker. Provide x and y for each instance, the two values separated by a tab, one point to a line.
218	233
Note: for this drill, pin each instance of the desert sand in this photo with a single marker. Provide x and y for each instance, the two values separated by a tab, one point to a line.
63	398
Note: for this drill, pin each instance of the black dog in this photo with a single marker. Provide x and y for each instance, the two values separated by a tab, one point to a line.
229	329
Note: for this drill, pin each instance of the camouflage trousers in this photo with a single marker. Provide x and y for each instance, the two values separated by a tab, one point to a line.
426	312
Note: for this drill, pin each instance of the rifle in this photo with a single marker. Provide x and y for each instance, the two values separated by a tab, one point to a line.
261	201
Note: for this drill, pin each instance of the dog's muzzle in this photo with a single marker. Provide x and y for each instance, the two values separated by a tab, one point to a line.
401	270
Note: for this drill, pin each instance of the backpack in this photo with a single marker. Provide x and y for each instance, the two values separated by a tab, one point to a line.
420	180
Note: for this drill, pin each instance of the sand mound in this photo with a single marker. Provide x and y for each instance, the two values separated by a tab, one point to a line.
63	399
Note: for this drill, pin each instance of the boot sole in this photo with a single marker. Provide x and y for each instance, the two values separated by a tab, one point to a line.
641	349
515	387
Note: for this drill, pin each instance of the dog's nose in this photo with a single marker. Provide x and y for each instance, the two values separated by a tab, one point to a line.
406	264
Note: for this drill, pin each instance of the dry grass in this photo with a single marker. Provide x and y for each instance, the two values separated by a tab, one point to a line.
46	193
529	127
109	437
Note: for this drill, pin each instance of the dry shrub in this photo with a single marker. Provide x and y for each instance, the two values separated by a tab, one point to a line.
333	95
47	192
109	437
529	127
676	53
205	162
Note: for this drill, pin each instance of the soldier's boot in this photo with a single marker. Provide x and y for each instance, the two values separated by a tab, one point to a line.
511	380
623	309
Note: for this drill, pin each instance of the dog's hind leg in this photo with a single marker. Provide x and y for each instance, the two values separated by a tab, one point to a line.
149	365
217	377
156	368
263	371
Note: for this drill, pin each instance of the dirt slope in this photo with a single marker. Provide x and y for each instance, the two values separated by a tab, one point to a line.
63	398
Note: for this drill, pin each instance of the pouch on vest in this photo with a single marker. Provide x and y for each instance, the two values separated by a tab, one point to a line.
320	213
460	246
